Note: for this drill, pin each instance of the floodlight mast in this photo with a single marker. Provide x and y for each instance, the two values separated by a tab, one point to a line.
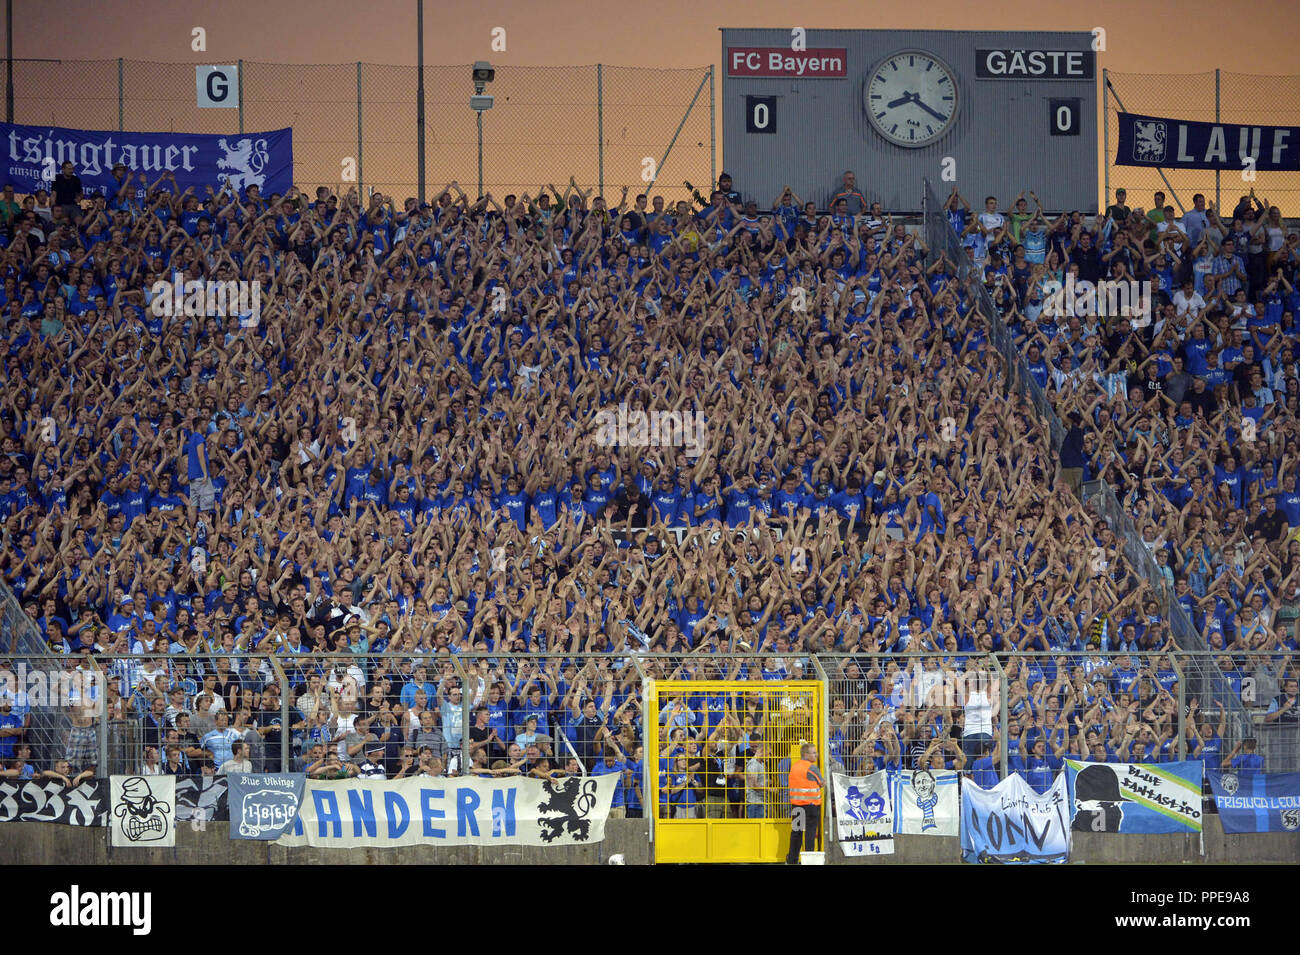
482	74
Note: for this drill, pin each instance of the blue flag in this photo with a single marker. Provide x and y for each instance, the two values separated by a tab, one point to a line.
263	805
1251	801
34	155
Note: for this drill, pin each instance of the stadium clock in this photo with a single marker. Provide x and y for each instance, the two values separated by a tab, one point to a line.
911	98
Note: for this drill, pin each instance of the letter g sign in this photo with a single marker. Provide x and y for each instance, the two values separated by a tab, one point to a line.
217	86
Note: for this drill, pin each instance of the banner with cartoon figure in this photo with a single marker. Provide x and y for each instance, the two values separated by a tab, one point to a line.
864	814
460	811
144	811
926	802
1135	797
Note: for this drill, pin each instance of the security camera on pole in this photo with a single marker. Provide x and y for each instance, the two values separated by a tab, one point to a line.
483	75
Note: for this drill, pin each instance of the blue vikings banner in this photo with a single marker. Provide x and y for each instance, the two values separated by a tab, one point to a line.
1251	801
1135	797
1012	824
461	811
263	805
34	155
1183	144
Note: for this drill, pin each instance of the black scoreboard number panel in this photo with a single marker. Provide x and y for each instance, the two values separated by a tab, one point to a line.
1063	116
760	114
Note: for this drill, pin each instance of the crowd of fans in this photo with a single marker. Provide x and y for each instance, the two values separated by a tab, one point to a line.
405	456
1187	407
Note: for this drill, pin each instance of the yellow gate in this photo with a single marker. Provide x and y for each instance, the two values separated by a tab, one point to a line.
699	769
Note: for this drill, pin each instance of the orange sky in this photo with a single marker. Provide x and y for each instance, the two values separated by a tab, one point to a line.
1155	37
1161	36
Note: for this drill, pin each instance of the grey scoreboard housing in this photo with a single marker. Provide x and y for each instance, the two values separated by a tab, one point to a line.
1025	116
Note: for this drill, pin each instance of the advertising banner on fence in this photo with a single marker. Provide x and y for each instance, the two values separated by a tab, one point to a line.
144	811
48	800
462	811
926	803
263	805
1251	801
1135	797
1011	823
864	814
34	155
1183	144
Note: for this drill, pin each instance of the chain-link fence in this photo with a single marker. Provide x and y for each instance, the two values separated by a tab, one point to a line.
1209	97
607	126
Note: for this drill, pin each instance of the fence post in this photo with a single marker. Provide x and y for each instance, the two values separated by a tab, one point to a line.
120	94
1217	173
284	713
419	106
1105	137
824	747
102	770
1182	716
9	62
240	71
600	129
713	133
1002	714
466	718
360	190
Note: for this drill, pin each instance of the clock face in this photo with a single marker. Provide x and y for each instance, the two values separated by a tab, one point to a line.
911	98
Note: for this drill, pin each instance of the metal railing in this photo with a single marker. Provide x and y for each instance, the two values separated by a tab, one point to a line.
78	711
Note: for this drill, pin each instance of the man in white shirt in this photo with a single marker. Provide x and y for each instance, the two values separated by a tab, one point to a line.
990	219
1187	299
238	761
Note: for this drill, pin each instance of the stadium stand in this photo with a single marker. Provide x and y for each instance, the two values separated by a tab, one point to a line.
553	439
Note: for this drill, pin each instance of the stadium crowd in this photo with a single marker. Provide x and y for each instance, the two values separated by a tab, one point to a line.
544	425
1187	406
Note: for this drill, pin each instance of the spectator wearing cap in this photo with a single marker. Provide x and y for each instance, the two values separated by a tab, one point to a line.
613	762
590	727
371	764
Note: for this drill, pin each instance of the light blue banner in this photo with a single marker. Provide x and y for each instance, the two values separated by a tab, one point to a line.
1012	824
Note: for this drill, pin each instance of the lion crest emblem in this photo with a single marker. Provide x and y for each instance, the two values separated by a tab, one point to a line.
248	159
1149	137
565	807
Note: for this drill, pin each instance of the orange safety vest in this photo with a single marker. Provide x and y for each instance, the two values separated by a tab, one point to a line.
804	790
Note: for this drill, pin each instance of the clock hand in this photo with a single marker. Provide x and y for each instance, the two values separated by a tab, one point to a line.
939	116
905	98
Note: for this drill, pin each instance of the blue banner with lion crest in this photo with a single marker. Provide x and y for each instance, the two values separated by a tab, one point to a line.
1185	144
34	155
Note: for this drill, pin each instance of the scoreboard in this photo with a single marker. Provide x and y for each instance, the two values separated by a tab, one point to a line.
993	112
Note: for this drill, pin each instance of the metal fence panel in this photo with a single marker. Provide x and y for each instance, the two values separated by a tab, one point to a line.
545	126
1237	98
